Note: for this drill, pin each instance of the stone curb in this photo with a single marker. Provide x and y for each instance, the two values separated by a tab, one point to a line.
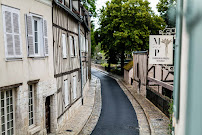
89	125
88	107
145	112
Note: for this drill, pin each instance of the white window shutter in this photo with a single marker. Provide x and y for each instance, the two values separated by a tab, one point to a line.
83	45
64	46
71	46
66	91
17	39
30	37
8	32
74	87
45	29
75	46
86	45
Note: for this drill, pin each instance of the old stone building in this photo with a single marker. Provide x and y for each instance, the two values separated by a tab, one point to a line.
26	71
43	64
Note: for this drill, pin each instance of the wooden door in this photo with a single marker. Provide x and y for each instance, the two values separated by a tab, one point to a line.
47	113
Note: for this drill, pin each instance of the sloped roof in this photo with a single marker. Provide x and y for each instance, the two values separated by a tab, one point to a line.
128	66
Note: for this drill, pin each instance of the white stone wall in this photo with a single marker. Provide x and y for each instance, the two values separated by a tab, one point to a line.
43	89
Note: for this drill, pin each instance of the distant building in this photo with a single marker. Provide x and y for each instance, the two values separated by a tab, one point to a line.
128	73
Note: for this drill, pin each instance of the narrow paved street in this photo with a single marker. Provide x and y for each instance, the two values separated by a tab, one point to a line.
117	116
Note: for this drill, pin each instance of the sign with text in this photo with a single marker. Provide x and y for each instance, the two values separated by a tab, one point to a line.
160	49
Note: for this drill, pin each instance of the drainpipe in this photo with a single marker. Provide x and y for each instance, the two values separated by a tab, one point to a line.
80	62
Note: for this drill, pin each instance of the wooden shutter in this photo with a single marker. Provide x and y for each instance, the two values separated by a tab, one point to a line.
71	46
83	44
74	87
64	48
30	37
17	39
86	45
45	37
75	46
8	31
11	22
66	91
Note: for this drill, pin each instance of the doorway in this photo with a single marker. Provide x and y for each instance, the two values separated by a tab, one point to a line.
48	114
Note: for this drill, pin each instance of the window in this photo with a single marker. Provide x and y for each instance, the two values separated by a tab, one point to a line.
31	105
11	25
64	45
37	40
73	48
74	87
66	91
7	112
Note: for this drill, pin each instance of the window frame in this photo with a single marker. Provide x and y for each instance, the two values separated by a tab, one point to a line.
5	111
33	103
30	36
41	44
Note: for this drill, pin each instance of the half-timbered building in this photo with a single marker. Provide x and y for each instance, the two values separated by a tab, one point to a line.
71	34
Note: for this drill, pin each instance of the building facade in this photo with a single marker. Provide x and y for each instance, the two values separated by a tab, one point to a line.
26	72
71	34
43	64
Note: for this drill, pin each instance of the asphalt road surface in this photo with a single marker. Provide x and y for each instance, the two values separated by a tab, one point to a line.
117	115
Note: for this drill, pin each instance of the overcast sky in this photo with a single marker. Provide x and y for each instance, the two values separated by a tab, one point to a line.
101	3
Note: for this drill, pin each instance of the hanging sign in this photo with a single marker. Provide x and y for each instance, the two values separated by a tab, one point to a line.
161	49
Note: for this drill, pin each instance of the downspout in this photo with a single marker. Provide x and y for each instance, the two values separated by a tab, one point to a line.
80	62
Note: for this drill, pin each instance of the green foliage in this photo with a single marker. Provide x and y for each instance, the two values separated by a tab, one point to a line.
90	6
93	42
171	117
126	26
167	9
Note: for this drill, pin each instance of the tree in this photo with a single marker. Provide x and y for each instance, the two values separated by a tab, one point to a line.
90	6
126	26
167	9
